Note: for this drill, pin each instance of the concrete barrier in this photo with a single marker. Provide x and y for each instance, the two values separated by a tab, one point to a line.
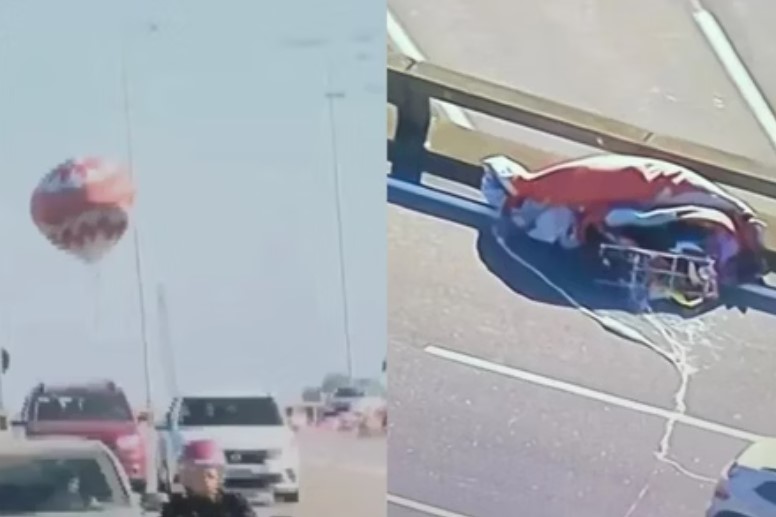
421	142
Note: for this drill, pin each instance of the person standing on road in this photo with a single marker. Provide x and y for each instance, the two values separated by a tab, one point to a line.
201	473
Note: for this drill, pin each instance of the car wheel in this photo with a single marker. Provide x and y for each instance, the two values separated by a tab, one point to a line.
163	486
138	486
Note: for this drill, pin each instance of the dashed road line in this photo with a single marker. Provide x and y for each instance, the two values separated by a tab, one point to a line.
404	44
417	506
591	394
735	68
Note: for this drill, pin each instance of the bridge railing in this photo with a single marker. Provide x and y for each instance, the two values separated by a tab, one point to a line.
425	143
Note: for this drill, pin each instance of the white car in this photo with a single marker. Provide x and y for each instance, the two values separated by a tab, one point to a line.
342	399
66	476
748	487
261	450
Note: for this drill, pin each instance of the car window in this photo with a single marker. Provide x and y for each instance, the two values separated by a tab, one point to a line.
260	411
348	392
54	485
767	491
81	407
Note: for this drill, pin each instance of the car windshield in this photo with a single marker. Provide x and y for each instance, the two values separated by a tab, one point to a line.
258	411
32	485
82	406
348	393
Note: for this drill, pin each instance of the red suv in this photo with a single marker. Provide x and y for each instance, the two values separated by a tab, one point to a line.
98	411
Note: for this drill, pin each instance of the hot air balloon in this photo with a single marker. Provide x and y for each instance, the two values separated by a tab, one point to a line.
82	206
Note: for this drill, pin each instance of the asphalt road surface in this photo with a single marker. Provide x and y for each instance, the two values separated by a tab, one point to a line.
480	443
642	62
471	437
342	476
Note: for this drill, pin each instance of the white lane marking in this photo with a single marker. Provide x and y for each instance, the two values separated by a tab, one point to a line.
678	355
411	504
581	391
404	44
401	39
735	68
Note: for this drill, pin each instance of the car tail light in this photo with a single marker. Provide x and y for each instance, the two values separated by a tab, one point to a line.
128	442
721	490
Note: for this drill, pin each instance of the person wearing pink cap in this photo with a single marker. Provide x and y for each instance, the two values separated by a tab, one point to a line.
201	471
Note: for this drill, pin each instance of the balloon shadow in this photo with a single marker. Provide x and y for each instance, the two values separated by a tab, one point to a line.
570	278
563	270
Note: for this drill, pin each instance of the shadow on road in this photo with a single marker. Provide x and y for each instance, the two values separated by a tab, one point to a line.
569	270
573	272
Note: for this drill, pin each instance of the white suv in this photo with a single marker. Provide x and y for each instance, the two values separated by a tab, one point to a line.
261	451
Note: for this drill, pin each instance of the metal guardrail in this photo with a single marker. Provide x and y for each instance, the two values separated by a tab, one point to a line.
422	143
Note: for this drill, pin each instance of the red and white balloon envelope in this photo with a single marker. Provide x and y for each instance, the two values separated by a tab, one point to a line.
82	206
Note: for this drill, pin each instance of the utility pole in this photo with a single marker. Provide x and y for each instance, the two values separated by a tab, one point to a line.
331	97
322	49
5	363
152	479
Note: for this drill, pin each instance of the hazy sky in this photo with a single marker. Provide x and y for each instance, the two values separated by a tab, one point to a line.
236	200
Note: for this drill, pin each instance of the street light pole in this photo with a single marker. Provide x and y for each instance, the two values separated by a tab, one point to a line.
152	480
321	47
331	97
138	255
